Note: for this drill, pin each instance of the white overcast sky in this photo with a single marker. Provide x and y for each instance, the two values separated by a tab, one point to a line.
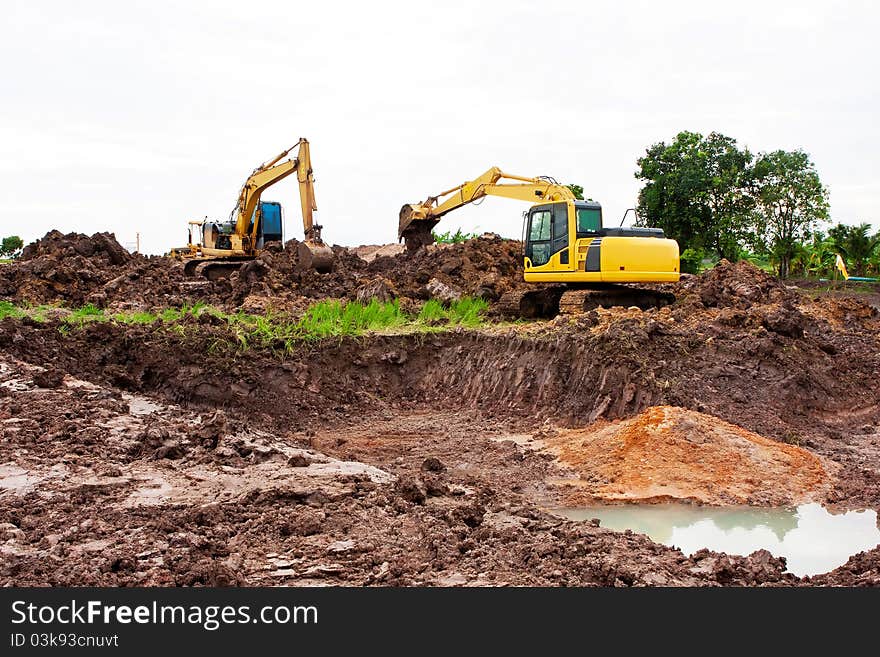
138	116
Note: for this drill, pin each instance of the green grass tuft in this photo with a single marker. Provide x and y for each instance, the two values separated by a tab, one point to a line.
453	238
170	315
468	311
464	312
88	313
432	312
135	318
335	318
8	309
41	313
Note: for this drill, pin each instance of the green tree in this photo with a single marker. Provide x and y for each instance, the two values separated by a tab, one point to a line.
790	202
577	190
874	264
855	244
820	255
696	191
11	246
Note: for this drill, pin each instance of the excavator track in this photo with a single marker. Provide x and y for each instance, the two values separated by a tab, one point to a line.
531	304
212	269
577	301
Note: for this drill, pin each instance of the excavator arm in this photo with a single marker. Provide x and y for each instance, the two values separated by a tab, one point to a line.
418	220
244	238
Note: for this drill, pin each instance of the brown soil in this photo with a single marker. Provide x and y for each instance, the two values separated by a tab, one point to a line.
145	455
736	285
75	269
672	454
128	490
862	569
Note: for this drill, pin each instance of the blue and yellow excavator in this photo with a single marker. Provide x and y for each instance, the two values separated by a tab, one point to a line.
217	248
565	244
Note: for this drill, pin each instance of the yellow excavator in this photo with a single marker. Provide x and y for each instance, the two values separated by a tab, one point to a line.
217	248
565	244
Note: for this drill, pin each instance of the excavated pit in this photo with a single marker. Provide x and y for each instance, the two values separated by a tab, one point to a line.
146	455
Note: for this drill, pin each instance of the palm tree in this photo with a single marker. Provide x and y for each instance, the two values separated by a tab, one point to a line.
855	244
816	257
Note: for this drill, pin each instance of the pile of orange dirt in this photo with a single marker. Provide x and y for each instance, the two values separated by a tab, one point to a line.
673	454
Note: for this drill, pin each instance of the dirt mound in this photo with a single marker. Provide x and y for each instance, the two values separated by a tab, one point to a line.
485	267
862	569
737	285
76	269
278	273
58	246
63	268
669	453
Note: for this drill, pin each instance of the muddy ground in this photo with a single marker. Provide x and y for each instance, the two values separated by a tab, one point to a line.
77	269
138	455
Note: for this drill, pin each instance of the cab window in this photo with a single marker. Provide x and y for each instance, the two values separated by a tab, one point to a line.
588	220
538	247
540	230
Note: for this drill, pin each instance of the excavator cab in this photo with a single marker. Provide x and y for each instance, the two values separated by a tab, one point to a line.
270	227
546	229
546	234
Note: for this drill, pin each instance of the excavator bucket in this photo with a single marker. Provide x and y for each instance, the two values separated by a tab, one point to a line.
415	227
315	255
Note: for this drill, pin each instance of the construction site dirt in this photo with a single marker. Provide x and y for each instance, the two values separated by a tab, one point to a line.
163	454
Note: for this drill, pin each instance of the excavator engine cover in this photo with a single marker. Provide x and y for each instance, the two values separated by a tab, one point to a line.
414	228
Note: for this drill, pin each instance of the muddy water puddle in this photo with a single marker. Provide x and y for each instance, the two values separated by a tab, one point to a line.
812	539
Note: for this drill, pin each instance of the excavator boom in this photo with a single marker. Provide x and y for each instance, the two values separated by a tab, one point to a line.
416	221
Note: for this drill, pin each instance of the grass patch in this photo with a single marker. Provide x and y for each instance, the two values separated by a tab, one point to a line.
8	309
324	319
171	315
453	238
468	311
432	312
335	318
80	316
41	313
464	312
135	318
